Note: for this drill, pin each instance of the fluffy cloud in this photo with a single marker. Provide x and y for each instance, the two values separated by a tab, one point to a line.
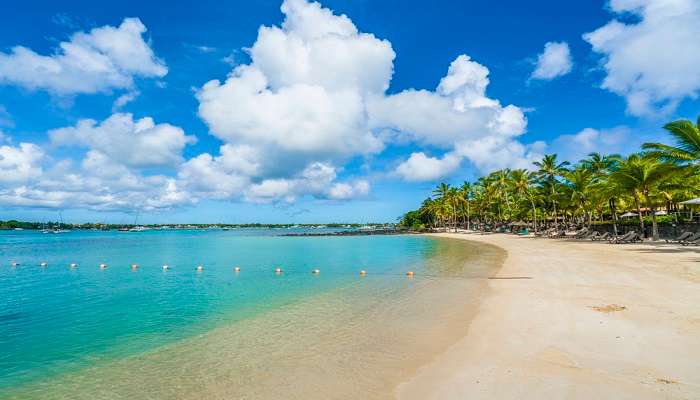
21	163
110	176
553	62
101	60
459	117
420	167
137	143
294	115
577	146
654	62
293	102
317	179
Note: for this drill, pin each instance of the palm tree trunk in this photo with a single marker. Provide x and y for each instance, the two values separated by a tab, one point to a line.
468	225
654	226
613	210
534	215
639	212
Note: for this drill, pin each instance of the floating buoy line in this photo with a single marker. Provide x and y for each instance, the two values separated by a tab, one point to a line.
277	270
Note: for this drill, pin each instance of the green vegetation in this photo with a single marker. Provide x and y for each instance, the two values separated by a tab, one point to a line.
595	190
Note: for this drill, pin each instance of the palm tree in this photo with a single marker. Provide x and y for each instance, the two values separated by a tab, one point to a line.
687	148
579	184
522	185
466	191
640	176
549	171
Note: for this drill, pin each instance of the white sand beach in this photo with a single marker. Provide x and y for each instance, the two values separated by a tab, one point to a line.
576	320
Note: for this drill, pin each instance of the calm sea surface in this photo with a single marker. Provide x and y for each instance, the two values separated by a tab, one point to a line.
117	333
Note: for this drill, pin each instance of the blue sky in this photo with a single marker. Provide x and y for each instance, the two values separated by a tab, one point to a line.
344	111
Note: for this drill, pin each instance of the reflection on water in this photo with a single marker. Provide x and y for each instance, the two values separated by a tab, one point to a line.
350	338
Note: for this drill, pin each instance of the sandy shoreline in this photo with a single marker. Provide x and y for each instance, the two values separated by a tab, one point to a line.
592	321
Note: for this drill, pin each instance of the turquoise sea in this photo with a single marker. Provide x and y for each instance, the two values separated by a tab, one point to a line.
113	333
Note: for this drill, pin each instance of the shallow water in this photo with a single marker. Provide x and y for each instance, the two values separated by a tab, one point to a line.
118	334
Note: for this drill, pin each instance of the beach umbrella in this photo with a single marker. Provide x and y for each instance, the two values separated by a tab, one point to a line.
661	212
628	214
692	201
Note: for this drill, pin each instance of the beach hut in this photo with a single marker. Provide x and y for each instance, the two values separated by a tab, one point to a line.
691	202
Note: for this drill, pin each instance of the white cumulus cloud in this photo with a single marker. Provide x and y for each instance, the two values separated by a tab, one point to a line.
101	60
652	62
553	62
137	143
420	167
20	163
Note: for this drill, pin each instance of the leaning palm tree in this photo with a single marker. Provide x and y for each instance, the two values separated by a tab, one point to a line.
641	176
549	171
687	146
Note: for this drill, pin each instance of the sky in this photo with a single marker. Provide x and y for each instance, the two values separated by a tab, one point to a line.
340	111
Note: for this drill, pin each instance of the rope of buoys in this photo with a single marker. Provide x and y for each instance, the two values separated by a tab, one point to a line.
279	270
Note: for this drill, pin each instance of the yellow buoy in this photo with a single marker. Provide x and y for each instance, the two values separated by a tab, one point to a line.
409	274
278	270
103	266
363	273
237	269
316	271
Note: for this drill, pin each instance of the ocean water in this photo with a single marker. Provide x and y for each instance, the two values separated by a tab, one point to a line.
116	333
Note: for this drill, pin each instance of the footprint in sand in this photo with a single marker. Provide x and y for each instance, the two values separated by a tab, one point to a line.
609	308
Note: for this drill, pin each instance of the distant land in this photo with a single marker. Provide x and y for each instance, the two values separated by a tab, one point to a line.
49	225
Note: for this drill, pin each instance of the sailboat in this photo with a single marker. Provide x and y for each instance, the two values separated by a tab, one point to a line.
137	228
58	229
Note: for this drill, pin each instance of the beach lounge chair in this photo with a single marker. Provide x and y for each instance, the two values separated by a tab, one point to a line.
684	236
629	237
560	234
694	239
603	236
591	235
581	233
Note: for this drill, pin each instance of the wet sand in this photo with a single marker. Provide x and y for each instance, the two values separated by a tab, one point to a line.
576	320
